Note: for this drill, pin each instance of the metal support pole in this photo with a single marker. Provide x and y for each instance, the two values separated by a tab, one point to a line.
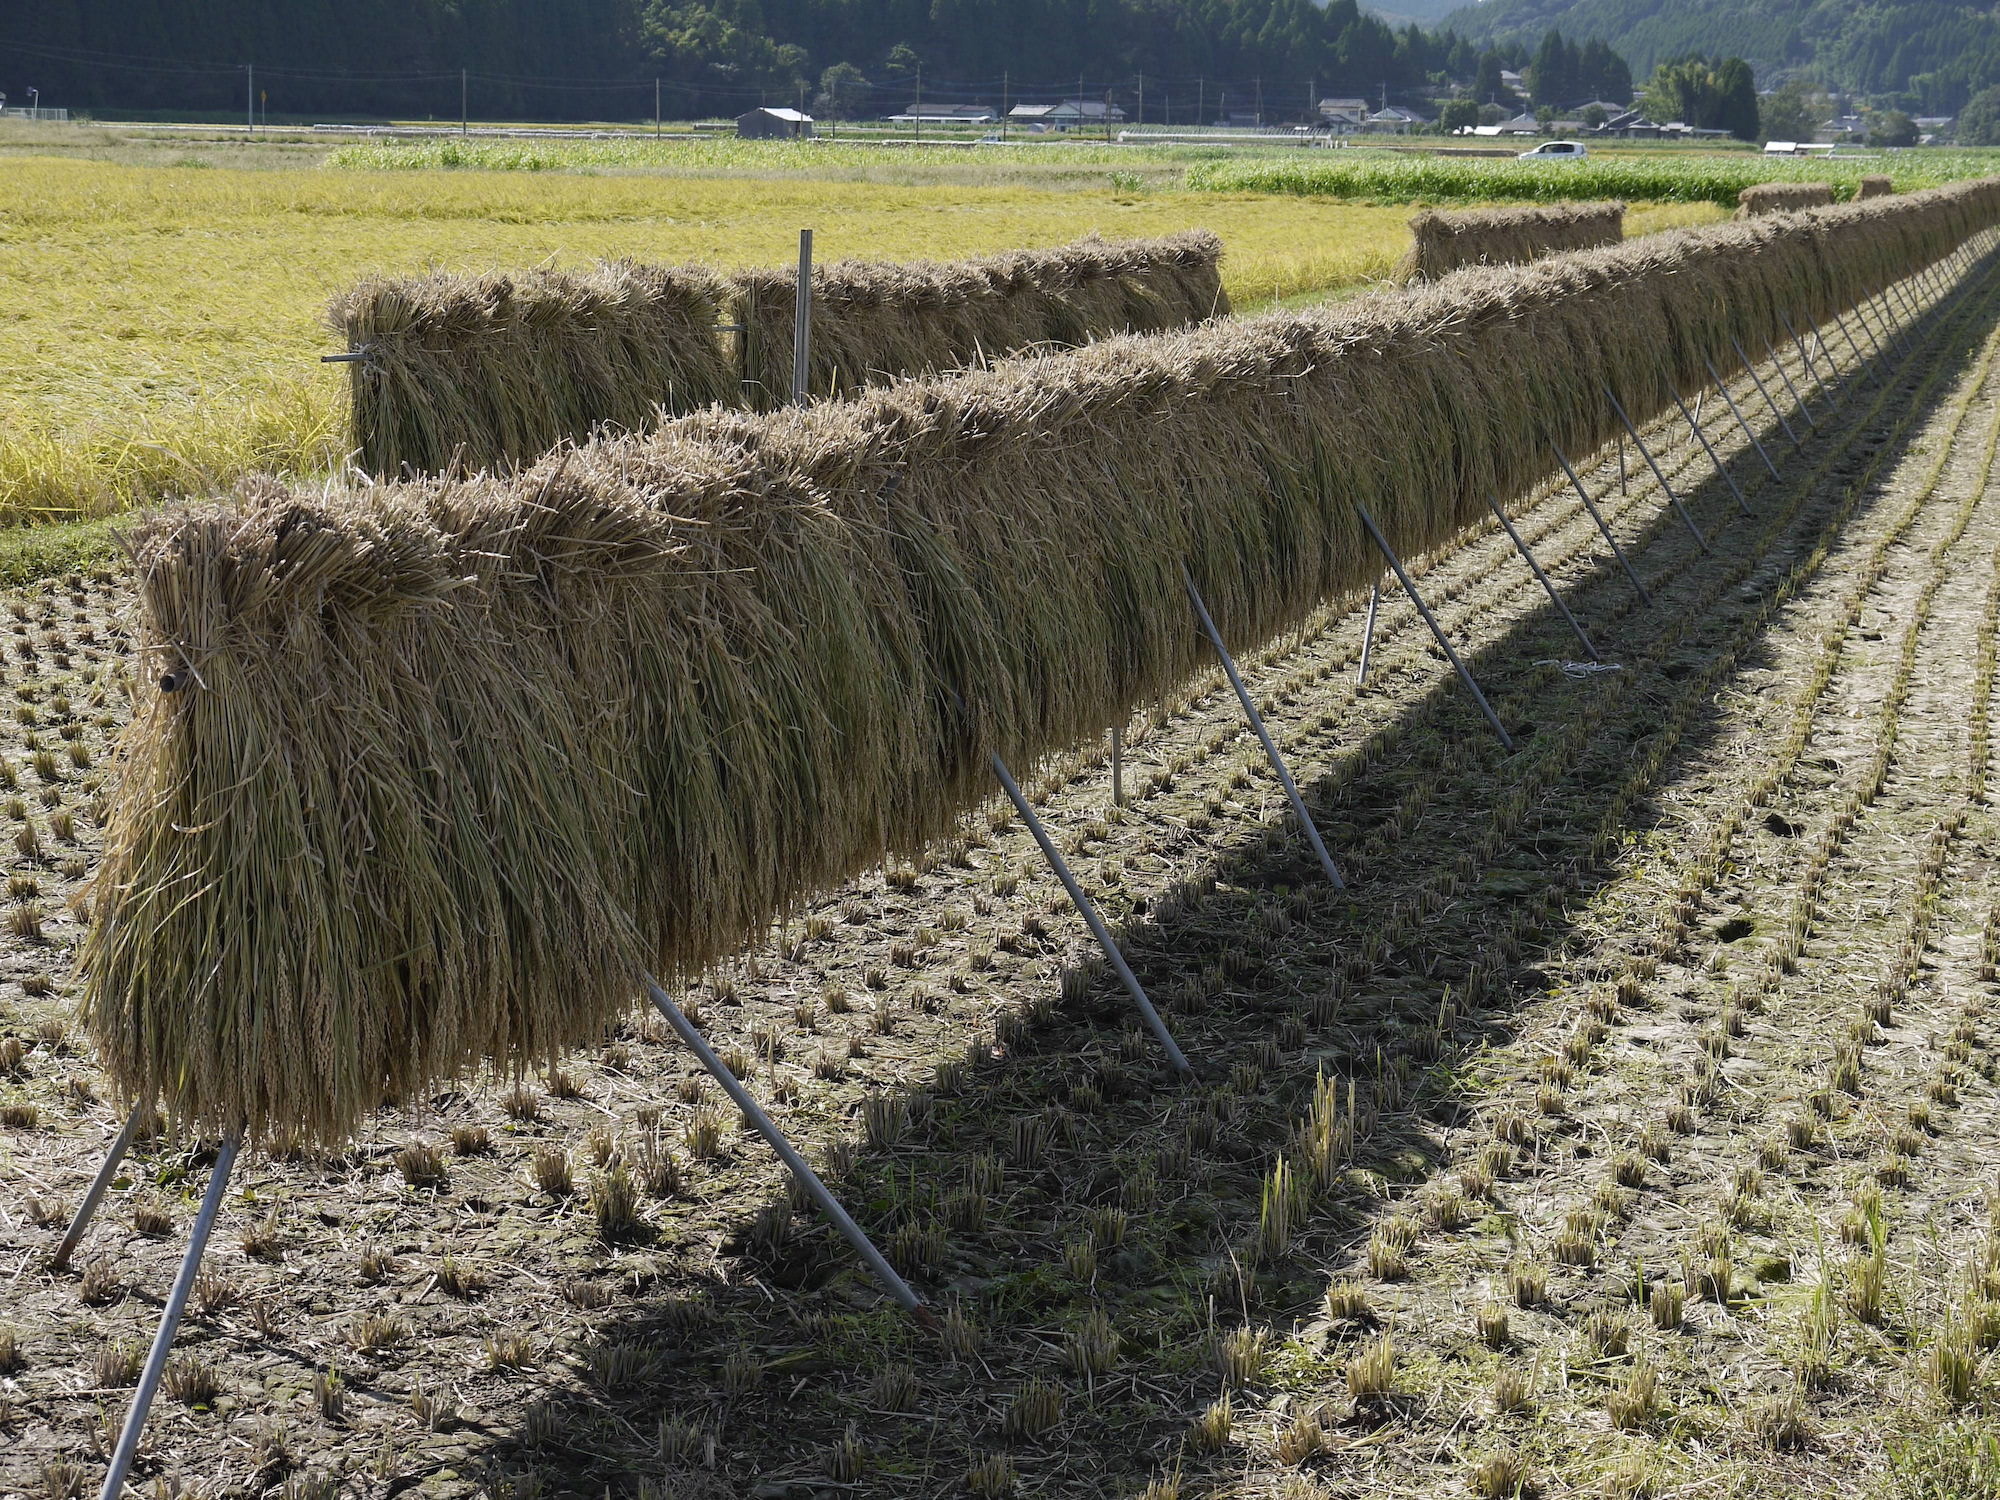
1805	359
1713	458
1089	913
1542	578
107	1170
1118	765
1756	380
1904	299
170	1322
1737	412
1861	355
802	315
1604	530
795	1163
1368	634
1624	479
1771	353
1646	454
1257	723
1884	342
1437	630
1885	314
1091	917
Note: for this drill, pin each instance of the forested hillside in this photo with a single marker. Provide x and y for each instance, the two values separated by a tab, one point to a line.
714	56
1933	54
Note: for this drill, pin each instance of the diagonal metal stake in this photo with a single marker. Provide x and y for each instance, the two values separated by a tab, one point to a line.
1257	723
170	1321
1885	312
1603	530
1714	458
1737	412
1646	454
795	1163
1806	359
1368	635
1089	913
1778	364
105	1173
1861	355
1437	630
1762	390
1500	515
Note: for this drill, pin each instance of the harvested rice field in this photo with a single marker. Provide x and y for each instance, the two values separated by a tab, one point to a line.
1623	1128
162	312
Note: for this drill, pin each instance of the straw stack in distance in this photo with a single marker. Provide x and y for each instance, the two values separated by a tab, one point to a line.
475	372
449	761
1875	186
1447	242
1782	198
873	323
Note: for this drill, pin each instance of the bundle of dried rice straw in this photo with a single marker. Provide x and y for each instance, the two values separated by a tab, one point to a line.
1447	242
450	761
475	372
1782	198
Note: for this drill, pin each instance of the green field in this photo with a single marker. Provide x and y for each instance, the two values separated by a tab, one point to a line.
162	296
1655	175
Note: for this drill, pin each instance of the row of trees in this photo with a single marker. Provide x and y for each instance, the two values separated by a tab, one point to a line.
583	58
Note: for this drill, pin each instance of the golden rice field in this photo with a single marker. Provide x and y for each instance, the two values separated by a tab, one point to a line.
159	324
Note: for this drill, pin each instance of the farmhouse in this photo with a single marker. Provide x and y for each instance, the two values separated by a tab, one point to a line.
1343	114
945	114
1068	115
774	125
1397	119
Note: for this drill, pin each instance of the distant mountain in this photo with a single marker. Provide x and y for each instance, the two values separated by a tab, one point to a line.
1926	54
1399	13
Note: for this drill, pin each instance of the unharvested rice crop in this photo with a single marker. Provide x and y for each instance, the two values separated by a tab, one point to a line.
164	325
1447	242
430	771
1783	197
1875	185
479	370
1653	175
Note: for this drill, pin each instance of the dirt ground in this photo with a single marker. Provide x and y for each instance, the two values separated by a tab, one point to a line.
1625	1127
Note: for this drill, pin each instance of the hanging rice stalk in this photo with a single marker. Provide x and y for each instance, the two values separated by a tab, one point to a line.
1782	198
873	322
477	372
425	772
1447	242
1875	186
480	371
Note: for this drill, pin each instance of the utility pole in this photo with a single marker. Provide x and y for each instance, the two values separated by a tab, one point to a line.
464	119
917	109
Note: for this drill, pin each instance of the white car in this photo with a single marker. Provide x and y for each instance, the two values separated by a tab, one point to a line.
1557	151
